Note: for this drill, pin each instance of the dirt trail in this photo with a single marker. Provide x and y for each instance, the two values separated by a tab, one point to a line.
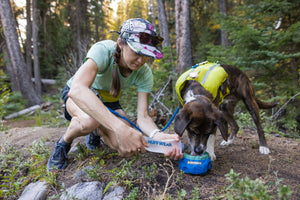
243	157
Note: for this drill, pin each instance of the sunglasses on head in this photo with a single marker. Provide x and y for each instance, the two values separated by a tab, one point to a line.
146	38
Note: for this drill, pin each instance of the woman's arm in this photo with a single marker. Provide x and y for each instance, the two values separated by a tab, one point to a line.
85	99
145	122
121	137
147	125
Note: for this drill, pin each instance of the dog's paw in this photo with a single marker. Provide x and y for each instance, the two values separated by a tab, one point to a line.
212	155
226	143
264	150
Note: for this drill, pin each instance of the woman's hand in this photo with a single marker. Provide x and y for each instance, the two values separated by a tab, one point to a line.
174	153
128	142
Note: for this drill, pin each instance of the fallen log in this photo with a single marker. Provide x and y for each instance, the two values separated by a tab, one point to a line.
22	112
46	81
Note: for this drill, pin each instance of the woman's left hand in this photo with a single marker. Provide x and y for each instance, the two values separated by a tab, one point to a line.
175	152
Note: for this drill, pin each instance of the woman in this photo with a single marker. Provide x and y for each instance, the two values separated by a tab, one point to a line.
108	68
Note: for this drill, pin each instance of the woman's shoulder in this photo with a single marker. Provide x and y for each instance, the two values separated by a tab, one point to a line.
109	45
106	43
101	52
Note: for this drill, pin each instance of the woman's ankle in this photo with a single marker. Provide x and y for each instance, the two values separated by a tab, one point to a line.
64	141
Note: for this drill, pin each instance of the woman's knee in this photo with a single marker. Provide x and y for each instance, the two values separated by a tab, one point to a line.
85	124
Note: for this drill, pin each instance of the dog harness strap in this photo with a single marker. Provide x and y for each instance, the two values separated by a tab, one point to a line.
123	117
209	75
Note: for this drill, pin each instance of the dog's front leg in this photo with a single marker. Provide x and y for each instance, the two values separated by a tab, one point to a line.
210	147
229	141
227	108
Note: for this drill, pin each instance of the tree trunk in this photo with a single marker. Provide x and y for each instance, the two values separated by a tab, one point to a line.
78	19
163	23
81	32
223	11
164	30
153	13
183	42
293	64
12	73
36	66
15	54
28	37
79	16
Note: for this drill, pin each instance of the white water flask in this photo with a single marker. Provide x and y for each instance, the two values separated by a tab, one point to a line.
162	146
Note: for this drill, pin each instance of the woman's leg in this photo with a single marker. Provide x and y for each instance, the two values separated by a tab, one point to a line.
81	123
93	140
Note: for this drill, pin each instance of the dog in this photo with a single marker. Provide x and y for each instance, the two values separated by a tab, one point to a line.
208	100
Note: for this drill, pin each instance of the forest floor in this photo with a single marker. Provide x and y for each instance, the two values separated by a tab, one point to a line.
243	157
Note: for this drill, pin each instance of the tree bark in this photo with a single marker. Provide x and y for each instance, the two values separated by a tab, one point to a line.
293	64
163	23
36	66
81	32
223	10
28	37
183	42
78	19
15	54
12	73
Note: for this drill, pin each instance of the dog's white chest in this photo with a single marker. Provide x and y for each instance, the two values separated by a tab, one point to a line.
189	96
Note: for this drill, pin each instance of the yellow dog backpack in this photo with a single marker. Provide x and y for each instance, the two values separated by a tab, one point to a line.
209	75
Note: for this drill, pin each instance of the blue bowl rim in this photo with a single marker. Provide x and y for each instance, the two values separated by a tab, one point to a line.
204	156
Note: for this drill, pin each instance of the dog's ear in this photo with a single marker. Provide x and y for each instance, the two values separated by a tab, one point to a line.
180	123
223	126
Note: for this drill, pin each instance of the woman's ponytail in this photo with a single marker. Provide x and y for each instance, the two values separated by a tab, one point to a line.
116	83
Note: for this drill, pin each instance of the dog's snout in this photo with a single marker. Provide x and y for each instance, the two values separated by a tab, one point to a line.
198	150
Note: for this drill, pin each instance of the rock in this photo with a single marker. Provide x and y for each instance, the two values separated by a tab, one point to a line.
114	193
80	174
92	191
35	191
86	190
277	135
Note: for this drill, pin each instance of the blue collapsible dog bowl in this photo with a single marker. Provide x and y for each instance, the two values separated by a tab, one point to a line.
197	165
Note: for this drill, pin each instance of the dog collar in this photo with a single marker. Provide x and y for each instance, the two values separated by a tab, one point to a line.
194	98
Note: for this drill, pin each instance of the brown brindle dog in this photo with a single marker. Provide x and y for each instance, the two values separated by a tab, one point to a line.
201	113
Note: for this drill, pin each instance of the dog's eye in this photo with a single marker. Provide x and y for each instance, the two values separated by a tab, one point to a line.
209	124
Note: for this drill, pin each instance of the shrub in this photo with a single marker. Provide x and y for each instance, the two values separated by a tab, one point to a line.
245	188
